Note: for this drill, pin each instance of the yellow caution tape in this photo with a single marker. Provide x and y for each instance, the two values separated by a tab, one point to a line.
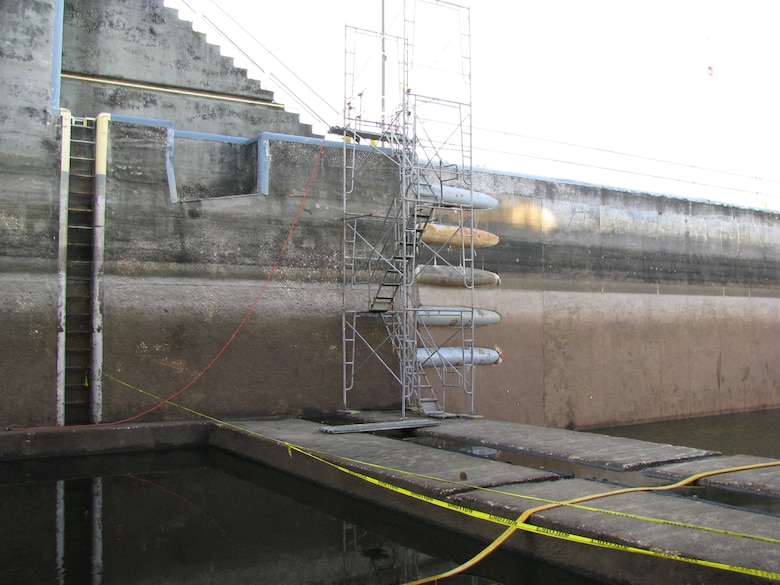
521	522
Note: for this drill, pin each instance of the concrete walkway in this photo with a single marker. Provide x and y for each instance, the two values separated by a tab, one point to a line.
468	489
611	453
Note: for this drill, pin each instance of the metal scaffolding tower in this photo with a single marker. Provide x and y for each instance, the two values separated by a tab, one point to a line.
427	234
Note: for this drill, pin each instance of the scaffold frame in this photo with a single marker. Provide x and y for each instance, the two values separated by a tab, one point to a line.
386	254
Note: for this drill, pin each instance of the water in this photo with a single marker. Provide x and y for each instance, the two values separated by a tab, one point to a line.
750	433
207	517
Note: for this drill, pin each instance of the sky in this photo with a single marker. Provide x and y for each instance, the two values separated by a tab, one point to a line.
675	97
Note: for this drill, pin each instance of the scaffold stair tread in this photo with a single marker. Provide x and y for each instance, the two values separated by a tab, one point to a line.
430	406
381	306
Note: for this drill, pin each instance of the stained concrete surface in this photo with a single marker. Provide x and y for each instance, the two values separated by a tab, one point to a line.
574	357
602	451
424	470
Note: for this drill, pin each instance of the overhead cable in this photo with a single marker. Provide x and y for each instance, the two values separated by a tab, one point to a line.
626	154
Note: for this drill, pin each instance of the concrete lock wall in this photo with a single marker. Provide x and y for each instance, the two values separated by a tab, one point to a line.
624	307
29	174
616	307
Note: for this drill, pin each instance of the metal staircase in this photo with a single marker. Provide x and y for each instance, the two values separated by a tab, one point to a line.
396	268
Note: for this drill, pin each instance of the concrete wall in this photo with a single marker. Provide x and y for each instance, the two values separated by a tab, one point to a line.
581	359
139	58
181	277
29	175
624	306
617	307
29	163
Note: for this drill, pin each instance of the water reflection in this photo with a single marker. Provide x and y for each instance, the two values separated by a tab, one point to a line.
206	517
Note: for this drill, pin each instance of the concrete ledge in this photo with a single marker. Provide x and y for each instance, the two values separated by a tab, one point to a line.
613	453
402	464
97	440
